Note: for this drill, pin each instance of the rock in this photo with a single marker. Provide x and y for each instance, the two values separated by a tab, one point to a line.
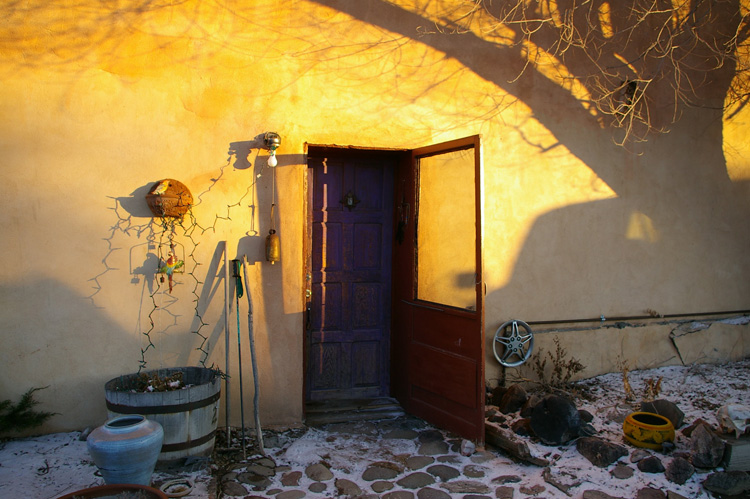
649	493
674	495
531	402
399	494
728	483
346	488
679	470
513	399
688	431
380	471
418	462
472	471
651	464
465	487
534	490
596	494
260	470
381	486
291	479
707	447
521	427
430	436
585	415
506	479
600	452
639	455
561	480
468	447
317	487
504	492
257	482
291	494
443	472
430	493
555	420
234	489
318	472
416	480
622	472
433	448
665	408
497	395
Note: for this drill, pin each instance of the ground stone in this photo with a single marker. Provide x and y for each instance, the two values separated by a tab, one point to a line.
418	462
291	494
318	472
347	488
504	492
622	472
472	471
260	470
639	455
291	479
399	494
728	482
257	482
679	470
443	472
381	486
600	452
234	489
433	448
379	471
534	490
674	495
317	487
506	479
597	494
449	459
465	487
416	480
651	464
401	434
649	493
430	493
431	436
468	448
482	457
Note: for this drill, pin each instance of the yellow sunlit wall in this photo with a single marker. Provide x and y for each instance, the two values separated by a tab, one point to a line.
99	100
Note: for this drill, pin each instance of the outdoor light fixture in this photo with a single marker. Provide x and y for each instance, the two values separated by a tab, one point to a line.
272	141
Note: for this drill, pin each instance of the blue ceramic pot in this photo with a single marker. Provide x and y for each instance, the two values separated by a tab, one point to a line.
125	449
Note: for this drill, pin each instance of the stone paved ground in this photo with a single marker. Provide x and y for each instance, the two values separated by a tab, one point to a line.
394	459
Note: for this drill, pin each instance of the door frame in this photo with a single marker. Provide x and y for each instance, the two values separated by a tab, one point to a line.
406	158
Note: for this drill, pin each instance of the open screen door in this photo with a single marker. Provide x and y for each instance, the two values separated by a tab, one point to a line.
438	320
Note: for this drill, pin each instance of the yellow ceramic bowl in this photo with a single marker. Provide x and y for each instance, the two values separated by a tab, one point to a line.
645	429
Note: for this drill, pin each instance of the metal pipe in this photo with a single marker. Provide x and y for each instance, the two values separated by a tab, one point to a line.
227	392
238	294
602	319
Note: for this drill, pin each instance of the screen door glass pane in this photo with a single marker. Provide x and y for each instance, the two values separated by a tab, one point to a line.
446	229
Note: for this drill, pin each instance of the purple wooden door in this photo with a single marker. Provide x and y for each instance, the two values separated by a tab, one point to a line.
349	268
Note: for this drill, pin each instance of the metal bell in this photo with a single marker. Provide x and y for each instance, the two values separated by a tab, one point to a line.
273	247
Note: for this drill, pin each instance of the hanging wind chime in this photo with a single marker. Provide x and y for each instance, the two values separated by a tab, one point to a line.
273	243
169	200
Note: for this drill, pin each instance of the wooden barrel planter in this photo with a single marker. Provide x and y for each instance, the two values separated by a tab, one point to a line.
188	415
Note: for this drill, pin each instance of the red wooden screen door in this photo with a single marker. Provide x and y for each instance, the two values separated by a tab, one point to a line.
349	268
438	320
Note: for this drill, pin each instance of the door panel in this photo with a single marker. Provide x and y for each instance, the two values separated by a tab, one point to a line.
438	322
348	334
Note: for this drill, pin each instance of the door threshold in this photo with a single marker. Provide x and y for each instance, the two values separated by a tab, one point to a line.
324	412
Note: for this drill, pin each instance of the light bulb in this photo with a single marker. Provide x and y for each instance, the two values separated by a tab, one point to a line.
272	160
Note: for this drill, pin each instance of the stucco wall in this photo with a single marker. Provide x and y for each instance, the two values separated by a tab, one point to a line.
98	103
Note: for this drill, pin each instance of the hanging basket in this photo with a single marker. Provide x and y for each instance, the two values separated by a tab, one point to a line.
169	198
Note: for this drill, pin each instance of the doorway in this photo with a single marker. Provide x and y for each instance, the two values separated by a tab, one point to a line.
392	310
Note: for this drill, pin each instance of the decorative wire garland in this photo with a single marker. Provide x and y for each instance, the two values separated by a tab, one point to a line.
189	230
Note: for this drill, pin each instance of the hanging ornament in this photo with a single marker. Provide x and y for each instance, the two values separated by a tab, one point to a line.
169	266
